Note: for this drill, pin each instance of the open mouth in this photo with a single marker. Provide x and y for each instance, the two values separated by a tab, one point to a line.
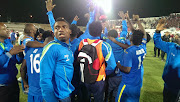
61	35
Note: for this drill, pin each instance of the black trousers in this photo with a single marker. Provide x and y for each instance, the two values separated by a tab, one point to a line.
155	49
169	96
9	93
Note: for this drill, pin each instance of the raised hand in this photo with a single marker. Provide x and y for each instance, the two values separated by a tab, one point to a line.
76	18
16	49
121	14
136	17
161	24
49	5
127	15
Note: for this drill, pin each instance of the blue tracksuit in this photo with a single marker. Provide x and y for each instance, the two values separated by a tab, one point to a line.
8	70
171	74
56	71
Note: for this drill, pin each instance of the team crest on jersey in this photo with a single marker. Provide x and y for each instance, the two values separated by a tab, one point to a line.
67	57
125	51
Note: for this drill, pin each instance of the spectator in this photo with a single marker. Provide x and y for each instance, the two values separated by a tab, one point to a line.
165	38
13	37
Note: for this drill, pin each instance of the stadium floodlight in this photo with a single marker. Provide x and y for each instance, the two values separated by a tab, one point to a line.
30	16
104	4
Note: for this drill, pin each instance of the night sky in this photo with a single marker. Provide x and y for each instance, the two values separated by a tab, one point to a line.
20	10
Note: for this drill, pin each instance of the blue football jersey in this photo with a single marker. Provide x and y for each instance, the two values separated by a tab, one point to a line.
33	70
133	57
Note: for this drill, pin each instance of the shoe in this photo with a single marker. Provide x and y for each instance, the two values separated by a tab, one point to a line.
19	79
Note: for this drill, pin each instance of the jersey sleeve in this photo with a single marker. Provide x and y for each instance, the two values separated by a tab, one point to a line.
5	58
51	19
25	41
74	22
109	58
124	29
164	46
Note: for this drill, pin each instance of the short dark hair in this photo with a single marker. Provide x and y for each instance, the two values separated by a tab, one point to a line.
47	34
62	19
95	28
113	33
137	37
79	34
41	30
74	30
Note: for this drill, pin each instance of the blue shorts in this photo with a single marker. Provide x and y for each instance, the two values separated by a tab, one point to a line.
128	93
35	98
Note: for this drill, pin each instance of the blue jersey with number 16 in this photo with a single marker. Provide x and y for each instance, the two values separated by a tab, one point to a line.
33	69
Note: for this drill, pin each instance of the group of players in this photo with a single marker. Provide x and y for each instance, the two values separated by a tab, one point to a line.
51	72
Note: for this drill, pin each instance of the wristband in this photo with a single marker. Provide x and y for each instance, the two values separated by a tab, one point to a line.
8	54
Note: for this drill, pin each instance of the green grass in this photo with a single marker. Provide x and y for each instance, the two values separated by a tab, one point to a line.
152	81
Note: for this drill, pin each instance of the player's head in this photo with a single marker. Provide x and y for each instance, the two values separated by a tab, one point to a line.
113	33
30	30
74	30
4	32
39	34
177	37
167	33
62	30
47	36
80	33
95	28
136	37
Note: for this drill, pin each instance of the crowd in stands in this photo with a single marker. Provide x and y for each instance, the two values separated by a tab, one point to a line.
173	20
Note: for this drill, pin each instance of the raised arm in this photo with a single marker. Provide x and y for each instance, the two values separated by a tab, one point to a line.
124	24
130	23
49	7
136	18
164	46
76	18
91	19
